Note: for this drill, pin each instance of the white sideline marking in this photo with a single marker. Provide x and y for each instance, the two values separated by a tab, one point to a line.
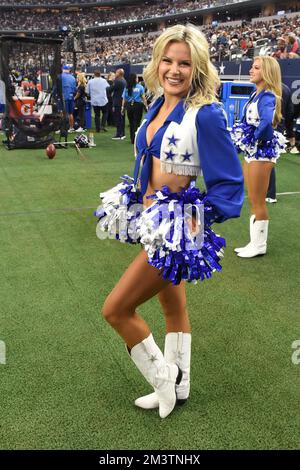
2	352
286	194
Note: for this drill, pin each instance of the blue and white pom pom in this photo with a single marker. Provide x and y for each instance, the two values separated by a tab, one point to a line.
118	214
170	246
242	135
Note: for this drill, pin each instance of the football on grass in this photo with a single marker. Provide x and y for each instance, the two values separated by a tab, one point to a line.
51	151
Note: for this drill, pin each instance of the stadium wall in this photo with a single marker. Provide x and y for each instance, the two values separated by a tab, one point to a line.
227	70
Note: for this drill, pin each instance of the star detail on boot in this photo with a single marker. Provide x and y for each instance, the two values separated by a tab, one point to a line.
153	358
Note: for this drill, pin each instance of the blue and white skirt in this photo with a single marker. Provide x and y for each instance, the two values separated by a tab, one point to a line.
119	212
174	230
243	138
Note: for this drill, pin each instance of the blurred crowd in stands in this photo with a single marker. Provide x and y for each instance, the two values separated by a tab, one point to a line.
196	3
277	38
92	17
236	40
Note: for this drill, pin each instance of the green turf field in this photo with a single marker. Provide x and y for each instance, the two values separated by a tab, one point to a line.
68	382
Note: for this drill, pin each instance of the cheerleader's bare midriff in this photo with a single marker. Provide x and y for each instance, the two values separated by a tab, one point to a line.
158	180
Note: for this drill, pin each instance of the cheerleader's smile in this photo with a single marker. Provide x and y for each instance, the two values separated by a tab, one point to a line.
175	70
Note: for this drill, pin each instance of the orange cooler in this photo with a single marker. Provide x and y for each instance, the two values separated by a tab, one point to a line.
22	107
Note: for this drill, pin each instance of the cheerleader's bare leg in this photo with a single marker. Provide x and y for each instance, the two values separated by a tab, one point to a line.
177	342
252	215
245	172
258	176
173	302
258	183
139	283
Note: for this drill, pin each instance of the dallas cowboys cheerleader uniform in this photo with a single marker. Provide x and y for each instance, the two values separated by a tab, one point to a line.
254	135
256	138
187	143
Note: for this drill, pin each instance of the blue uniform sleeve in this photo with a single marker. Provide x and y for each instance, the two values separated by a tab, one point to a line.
220	165
142	90
266	106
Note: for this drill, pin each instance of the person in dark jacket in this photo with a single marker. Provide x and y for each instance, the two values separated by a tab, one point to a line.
110	117
80	100
117	90
134	101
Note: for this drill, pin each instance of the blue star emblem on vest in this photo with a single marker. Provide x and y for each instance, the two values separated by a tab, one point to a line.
170	155
186	156
172	140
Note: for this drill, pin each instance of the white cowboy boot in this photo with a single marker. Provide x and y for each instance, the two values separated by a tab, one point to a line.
162	376
252	220
258	245
177	351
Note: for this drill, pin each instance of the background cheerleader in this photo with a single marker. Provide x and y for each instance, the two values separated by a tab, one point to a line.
261	144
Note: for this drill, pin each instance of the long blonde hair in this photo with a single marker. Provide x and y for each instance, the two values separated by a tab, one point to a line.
271	75
81	80
205	81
